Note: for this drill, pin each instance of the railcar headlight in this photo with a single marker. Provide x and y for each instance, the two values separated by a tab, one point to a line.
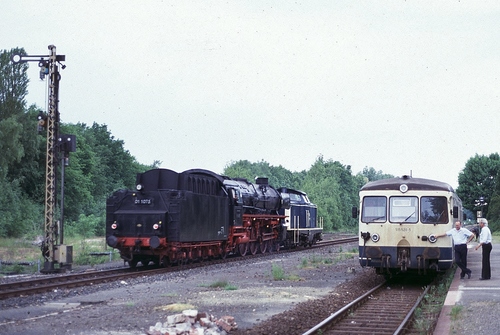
432	238
139	187
114	225
157	226
375	237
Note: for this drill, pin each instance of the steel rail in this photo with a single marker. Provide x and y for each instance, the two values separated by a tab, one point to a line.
328	325
45	284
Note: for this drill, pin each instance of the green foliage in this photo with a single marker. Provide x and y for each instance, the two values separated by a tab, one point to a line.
330	185
277	272
478	179
278	176
370	174
315	261
455	312
85	226
223	284
99	166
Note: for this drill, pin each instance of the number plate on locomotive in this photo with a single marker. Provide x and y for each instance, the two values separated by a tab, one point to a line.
143	201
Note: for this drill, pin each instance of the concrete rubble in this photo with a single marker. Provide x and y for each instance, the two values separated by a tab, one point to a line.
192	322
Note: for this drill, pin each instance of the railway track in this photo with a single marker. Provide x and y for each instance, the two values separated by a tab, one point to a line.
386	309
65	281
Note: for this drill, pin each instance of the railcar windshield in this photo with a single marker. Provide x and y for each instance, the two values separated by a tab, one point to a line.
403	209
374	209
433	210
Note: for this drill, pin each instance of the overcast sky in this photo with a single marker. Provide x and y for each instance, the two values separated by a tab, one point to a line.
401	86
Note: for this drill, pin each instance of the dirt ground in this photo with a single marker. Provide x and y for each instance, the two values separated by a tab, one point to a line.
259	303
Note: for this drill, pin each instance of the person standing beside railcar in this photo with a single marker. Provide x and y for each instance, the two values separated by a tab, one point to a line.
485	243
461	236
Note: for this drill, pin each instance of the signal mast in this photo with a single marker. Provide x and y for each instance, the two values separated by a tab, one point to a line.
53	250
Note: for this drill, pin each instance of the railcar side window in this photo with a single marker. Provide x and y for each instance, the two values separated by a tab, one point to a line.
403	209
374	209
434	210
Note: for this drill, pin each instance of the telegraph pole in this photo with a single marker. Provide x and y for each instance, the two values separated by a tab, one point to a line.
53	251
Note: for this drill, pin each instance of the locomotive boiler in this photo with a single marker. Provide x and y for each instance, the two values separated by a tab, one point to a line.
175	217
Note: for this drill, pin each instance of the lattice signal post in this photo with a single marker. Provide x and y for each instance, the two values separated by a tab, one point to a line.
58	146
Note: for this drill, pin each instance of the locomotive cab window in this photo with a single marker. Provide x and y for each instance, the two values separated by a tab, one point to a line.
374	209
434	210
403	209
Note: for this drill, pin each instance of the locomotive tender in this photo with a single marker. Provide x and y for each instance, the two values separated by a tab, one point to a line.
177	217
398	221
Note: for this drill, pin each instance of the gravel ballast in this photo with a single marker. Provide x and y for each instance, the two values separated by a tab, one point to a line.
316	283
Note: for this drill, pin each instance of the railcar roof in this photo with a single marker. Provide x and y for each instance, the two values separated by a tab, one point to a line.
412	183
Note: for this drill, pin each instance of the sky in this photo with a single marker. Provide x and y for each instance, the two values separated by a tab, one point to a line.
405	87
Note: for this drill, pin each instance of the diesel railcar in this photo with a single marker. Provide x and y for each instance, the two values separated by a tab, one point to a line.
398	221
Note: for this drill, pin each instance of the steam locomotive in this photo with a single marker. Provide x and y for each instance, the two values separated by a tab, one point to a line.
171	217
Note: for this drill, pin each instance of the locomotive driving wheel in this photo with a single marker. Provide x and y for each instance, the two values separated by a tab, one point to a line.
270	245
254	247
263	247
243	249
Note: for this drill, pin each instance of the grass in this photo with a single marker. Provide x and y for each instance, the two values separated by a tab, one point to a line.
426	314
278	273
26	250
455	312
315	261
221	284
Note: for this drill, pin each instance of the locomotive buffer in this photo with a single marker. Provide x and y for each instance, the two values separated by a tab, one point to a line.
58	147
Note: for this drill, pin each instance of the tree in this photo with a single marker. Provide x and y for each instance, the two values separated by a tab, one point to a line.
371	174
334	190
278	176
478	179
494	207
13	89
99	166
20	213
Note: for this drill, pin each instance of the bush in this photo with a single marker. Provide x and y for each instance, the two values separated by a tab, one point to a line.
86	226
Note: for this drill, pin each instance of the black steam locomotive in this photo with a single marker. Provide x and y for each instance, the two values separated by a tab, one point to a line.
176	217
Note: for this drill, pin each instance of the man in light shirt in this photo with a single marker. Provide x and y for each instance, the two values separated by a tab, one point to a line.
461	236
485	243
